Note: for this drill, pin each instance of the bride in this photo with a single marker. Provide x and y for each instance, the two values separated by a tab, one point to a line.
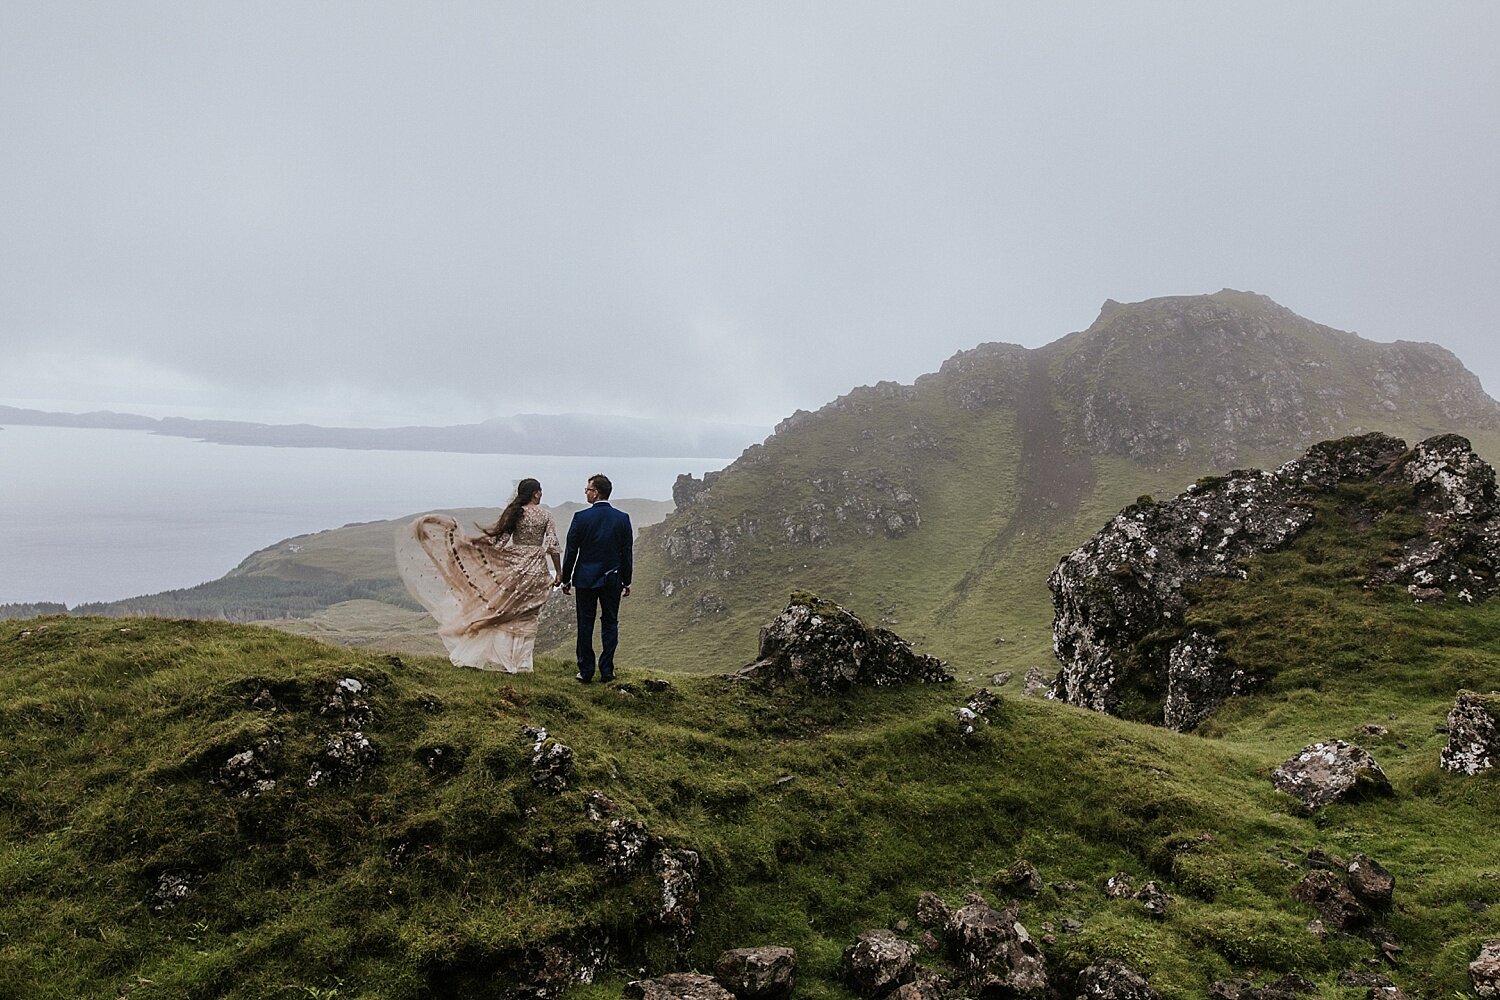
486	592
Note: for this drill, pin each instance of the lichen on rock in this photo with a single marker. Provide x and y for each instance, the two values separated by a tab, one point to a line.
1473	733
1132	580
817	644
1331	771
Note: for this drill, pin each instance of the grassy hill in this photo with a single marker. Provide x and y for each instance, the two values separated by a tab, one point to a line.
1006	459
135	858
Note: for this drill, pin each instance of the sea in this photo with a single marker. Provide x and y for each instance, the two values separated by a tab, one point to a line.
100	515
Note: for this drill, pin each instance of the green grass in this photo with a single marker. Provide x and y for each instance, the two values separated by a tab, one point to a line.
409	884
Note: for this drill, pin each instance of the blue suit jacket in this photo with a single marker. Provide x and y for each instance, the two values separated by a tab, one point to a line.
598	552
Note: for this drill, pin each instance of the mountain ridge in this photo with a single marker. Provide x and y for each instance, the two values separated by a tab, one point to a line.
917	502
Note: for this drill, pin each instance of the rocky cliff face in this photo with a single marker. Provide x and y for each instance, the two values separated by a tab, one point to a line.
1233	374
1218	377
1129	582
1023	437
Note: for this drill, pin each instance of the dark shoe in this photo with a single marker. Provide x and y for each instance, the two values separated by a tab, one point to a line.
606	680
582	679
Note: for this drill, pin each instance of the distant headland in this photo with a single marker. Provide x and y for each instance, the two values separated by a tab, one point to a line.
523	434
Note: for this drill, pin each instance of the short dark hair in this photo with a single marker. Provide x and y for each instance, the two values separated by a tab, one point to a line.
601	484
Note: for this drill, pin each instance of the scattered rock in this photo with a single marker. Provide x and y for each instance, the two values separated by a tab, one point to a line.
264	701
758	973
1484	971
1288	987
1037	683
1325	892
1473	733
623	844
1020	879
677	875
976	712
878	961
922	988
1372	731
598	806
252	772
1370	882
932	911
1071	926
1001	679
344	759
820	645
1108	979
656	685
992	952
171	888
1154	899
677	986
551	765
1119	886
346	704
1334	771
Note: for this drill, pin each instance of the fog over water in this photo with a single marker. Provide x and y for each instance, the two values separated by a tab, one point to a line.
132	513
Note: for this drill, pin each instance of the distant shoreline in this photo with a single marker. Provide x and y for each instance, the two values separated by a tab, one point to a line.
525	434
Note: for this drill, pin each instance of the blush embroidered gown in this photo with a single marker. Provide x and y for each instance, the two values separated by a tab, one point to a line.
486	593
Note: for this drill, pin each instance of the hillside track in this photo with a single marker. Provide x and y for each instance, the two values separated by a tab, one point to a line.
1052	481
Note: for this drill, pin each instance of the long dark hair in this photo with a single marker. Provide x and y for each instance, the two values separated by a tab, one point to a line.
526	489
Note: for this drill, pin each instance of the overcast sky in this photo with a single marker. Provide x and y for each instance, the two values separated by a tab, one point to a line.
374	213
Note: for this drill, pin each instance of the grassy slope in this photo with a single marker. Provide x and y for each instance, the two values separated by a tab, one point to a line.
948	588
110	738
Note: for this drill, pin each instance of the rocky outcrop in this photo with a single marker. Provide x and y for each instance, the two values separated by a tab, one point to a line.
1132	578
687	489
821	646
1484	971
551	765
1154	900
1370	882
1326	892
1458	555
993	953
1108	979
1473	733
976	711
768	973
932	911
878	961
1330	772
677	986
676	873
1247	375
1349	896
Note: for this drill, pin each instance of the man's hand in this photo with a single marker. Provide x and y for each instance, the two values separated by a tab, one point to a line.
625	592
567	588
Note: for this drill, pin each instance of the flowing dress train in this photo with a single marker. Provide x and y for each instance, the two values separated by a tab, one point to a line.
485	593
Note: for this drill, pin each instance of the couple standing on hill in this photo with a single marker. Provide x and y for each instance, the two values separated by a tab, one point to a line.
487	592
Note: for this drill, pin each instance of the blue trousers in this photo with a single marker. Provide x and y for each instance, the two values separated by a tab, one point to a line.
605	603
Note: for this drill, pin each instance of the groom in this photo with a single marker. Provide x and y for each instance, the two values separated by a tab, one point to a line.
598	562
